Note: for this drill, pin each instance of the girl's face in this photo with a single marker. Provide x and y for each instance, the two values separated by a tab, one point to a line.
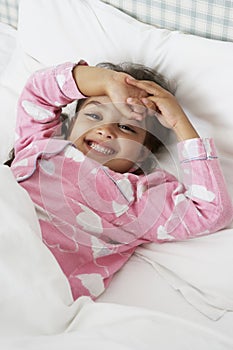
103	134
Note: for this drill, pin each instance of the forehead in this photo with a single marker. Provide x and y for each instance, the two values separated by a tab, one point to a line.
110	110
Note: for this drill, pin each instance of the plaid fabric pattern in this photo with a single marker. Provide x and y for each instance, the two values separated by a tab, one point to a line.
9	12
210	19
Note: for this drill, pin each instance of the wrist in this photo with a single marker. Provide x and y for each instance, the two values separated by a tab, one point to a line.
92	81
184	130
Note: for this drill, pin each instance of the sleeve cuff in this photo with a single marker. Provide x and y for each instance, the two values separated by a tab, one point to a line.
196	149
65	80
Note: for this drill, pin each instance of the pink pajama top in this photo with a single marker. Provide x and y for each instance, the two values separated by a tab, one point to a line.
92	219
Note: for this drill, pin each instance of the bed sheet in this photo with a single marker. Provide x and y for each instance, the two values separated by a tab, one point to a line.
183	291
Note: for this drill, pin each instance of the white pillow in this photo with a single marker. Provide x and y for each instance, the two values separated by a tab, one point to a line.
201	68
8	43
12	80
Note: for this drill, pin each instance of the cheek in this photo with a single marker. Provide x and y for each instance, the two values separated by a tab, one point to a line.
131	149
79	130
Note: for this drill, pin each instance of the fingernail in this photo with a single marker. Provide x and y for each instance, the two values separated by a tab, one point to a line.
130	78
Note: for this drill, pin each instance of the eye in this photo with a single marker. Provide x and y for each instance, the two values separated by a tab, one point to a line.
126	128
93	116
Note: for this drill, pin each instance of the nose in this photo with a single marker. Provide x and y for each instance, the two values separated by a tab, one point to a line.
106	131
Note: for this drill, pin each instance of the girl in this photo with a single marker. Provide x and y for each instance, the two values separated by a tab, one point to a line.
94	200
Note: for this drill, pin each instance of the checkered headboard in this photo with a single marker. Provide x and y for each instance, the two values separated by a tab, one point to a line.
211	19
207	18
9	12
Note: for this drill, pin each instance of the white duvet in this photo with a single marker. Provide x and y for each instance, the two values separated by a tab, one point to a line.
176	295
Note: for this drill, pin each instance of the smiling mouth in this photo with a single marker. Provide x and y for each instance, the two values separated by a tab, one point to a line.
100	149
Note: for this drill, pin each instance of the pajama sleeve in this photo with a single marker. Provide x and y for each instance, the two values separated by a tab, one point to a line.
168	209
40	104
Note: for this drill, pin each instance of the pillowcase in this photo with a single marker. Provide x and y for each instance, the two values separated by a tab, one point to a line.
8	43
12	80
201	69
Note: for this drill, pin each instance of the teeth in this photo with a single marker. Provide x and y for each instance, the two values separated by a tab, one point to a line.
101	149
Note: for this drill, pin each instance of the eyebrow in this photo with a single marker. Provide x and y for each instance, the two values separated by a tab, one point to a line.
96	103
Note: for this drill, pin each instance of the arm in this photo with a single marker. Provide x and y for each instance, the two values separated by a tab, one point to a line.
199	205
170	210
41	101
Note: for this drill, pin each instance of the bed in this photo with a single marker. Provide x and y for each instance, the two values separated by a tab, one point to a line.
175	295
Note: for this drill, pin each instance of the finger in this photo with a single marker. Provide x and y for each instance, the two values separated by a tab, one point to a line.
136	105
149	86
149	104
128	112
150	107
154	107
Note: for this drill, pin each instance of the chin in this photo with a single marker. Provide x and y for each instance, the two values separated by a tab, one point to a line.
119	165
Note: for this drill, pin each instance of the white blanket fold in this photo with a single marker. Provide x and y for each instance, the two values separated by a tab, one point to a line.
201	269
